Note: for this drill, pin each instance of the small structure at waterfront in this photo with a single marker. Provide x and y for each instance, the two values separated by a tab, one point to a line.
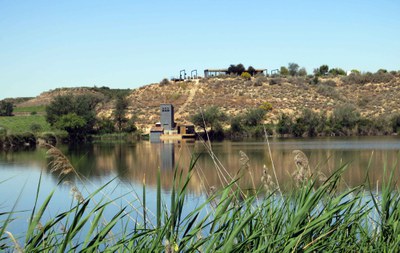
167	129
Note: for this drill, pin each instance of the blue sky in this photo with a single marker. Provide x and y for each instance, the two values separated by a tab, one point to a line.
127	44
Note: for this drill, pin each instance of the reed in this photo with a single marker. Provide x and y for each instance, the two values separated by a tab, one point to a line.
315	217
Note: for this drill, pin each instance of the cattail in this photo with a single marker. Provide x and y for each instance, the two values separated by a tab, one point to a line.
59	162
244	161
76	194
303	172
267	181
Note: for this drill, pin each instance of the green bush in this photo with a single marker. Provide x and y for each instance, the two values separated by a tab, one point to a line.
284	124
337	72
35	127
395	120
254	117
163	82
236	124
284	71
246	75
6	108
105	126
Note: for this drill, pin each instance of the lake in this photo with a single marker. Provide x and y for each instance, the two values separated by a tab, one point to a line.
127	165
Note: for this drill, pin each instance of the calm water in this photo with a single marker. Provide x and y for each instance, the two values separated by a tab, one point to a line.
128	164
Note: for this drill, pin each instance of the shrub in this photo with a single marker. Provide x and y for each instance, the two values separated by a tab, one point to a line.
258	82
302	72
276	80
6	108
395	120
284	124
254	117
3	131
266	106
293	68
337	72
284	71
35	127
344	119
330	83
328	91
246	75
236	125
105	126
163	82
368	77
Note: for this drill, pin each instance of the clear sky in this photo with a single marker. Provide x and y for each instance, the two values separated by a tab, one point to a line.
126	44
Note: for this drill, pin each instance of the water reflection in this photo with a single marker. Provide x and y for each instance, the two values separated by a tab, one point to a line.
131	162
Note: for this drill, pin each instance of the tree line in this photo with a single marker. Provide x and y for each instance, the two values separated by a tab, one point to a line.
345	120
77	116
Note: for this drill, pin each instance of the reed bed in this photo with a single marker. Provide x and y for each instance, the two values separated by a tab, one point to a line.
316	216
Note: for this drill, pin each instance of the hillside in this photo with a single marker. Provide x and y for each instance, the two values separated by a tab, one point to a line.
374	95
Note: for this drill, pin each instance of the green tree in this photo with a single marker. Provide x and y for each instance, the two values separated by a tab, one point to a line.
337	72
6	108
344	119
119	113
284	124
73	124
254	117
293	68
211	117
236	124
323	70
302	72
236	69
82	106
251	70
284	71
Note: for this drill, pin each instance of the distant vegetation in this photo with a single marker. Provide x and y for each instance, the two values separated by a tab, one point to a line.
6	108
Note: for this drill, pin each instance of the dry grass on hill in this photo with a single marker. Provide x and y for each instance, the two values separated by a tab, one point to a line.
234	95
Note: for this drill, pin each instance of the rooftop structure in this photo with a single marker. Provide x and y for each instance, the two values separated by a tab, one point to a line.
216	72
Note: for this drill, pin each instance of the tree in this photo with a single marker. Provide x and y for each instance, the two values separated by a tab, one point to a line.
337	72
284	71
293	68
77	109
6	108
323	70
236	69
120	111
210	117
254	117
73	124
302	72
284	124
251	70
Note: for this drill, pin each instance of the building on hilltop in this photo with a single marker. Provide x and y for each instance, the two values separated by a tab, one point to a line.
167	129
217	72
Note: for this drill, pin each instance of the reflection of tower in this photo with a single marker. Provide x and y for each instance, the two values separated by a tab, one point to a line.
167	156
167	116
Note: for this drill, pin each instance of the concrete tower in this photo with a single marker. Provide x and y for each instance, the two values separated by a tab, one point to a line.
167	116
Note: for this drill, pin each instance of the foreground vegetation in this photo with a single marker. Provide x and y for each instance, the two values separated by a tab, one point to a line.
316	217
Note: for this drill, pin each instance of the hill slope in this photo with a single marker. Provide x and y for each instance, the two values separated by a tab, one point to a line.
372	96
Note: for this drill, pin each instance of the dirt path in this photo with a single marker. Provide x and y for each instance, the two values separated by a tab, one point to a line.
192	93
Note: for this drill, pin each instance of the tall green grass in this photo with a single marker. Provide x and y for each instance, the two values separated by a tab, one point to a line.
315	217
